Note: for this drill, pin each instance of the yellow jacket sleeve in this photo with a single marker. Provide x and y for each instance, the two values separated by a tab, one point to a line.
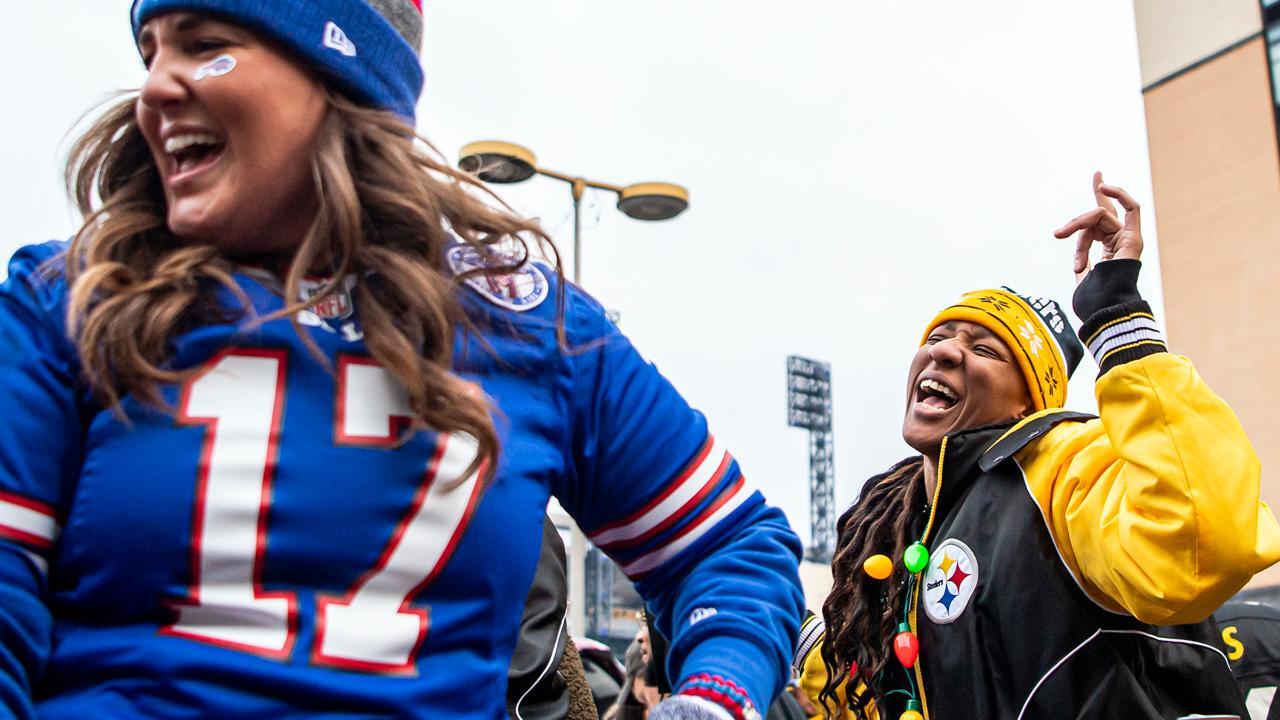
813	677
1155	507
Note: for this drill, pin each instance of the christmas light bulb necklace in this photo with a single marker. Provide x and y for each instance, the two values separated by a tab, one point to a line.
906	645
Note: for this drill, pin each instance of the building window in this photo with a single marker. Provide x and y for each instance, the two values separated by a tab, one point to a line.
1271	25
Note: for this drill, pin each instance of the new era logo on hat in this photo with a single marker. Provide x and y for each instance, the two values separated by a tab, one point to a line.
335	39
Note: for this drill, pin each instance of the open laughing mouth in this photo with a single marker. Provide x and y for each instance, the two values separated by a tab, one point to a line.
190	153
935	398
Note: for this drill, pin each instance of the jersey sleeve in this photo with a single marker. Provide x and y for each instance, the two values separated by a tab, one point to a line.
651	486
40	447
1155	507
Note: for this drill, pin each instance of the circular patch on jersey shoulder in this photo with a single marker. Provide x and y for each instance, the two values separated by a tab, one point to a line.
950	581
521	290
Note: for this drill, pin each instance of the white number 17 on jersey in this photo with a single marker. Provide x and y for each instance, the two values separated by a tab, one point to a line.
239	398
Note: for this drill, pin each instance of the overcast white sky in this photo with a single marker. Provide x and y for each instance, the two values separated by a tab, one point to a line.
853	167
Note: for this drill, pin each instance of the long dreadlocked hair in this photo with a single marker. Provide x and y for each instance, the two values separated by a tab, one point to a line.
861	612
383	200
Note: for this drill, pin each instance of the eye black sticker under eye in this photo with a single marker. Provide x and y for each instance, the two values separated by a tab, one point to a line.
216	67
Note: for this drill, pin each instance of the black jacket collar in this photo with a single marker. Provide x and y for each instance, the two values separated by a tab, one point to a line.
975	451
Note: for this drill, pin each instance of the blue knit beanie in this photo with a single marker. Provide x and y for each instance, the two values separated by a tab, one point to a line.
367	48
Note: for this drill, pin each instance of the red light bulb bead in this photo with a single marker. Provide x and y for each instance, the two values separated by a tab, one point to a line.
905	646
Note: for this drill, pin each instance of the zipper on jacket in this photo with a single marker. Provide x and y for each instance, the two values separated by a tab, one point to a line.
915	593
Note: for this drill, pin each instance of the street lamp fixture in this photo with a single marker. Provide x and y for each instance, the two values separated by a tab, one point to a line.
496	161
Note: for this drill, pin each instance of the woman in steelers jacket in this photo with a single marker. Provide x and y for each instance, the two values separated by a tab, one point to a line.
1040	563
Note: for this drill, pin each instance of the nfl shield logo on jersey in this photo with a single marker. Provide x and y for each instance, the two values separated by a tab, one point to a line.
334	307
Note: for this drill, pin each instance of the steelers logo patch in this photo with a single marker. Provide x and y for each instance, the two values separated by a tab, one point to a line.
950	581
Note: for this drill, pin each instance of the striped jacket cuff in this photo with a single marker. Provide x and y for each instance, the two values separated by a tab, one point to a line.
32	525
722	691
811	633
1122	333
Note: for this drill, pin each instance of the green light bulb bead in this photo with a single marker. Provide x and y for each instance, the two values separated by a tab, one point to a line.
916	558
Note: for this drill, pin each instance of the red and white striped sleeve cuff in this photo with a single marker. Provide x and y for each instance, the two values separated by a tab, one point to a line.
723	692
30	523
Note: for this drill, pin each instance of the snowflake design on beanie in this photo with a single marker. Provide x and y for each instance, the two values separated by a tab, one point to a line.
1051	379
1034	341
1000	304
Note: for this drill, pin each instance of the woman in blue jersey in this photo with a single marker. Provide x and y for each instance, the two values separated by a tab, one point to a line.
274	446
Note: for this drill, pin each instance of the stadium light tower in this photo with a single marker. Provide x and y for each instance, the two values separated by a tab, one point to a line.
500	162
809	407
497	161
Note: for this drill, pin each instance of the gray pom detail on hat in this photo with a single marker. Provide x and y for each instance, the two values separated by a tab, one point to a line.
405	17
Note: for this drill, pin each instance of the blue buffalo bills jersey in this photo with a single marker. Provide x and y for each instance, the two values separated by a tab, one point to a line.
271	549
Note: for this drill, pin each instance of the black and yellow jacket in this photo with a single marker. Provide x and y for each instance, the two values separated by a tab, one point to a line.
1075	560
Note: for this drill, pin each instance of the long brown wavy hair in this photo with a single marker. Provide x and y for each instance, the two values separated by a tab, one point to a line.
383	200
862	613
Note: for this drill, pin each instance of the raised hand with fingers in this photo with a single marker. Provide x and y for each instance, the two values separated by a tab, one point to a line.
1119	239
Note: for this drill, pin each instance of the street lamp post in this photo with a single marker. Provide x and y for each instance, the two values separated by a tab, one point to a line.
496	161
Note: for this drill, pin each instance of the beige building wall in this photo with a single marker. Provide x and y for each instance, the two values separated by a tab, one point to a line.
1175	34
1216	175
